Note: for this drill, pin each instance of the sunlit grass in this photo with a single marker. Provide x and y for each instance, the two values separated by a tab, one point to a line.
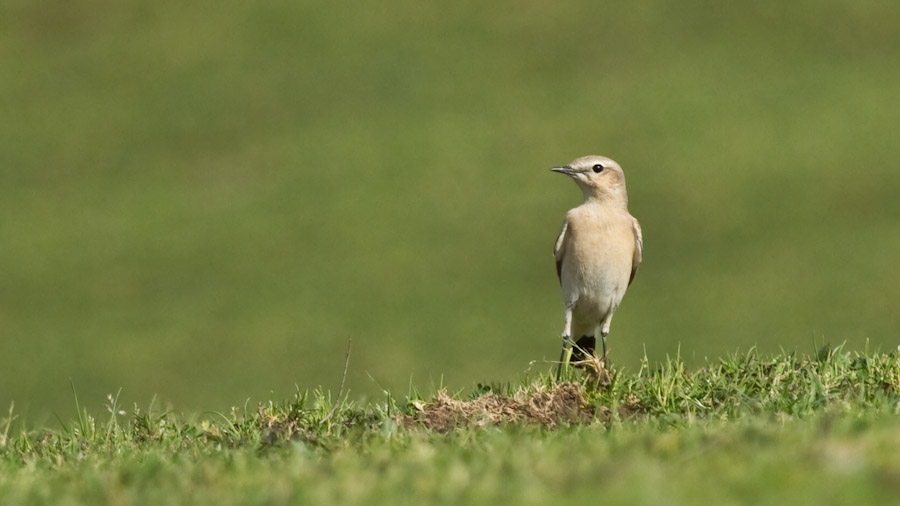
777	429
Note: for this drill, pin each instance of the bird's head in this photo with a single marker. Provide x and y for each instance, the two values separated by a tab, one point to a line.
598	177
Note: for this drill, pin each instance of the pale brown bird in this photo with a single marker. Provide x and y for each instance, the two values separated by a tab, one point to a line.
597	253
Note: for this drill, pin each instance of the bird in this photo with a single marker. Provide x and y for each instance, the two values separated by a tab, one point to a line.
597	253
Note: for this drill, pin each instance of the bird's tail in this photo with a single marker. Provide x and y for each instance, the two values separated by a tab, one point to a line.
584	348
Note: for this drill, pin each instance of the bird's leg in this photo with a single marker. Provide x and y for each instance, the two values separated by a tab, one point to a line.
562	357
604	331
565	353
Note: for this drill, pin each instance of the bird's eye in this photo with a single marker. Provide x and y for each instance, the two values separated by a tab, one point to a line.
597	168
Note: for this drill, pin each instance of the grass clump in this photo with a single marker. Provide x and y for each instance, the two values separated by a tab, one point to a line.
562	403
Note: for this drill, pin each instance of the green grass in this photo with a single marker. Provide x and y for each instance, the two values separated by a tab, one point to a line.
780	429
204	200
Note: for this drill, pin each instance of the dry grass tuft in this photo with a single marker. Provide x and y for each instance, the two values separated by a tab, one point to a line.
597	373
561	403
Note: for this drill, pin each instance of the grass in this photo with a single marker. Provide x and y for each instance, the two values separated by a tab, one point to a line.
780	429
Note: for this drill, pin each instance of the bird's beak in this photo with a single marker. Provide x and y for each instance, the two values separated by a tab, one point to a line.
567	170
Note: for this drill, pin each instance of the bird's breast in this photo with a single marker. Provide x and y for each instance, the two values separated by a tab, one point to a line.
600	251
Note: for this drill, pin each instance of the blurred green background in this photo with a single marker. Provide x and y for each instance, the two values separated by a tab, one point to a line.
205	200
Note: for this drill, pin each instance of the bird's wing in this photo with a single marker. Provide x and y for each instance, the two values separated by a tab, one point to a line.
638	248
560	249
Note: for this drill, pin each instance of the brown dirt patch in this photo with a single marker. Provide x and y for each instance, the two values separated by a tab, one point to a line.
561	403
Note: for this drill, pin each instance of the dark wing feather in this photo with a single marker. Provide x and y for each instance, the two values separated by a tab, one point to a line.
559	250
638	248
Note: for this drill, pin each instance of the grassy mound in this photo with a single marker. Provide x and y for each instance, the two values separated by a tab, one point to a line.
739	385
